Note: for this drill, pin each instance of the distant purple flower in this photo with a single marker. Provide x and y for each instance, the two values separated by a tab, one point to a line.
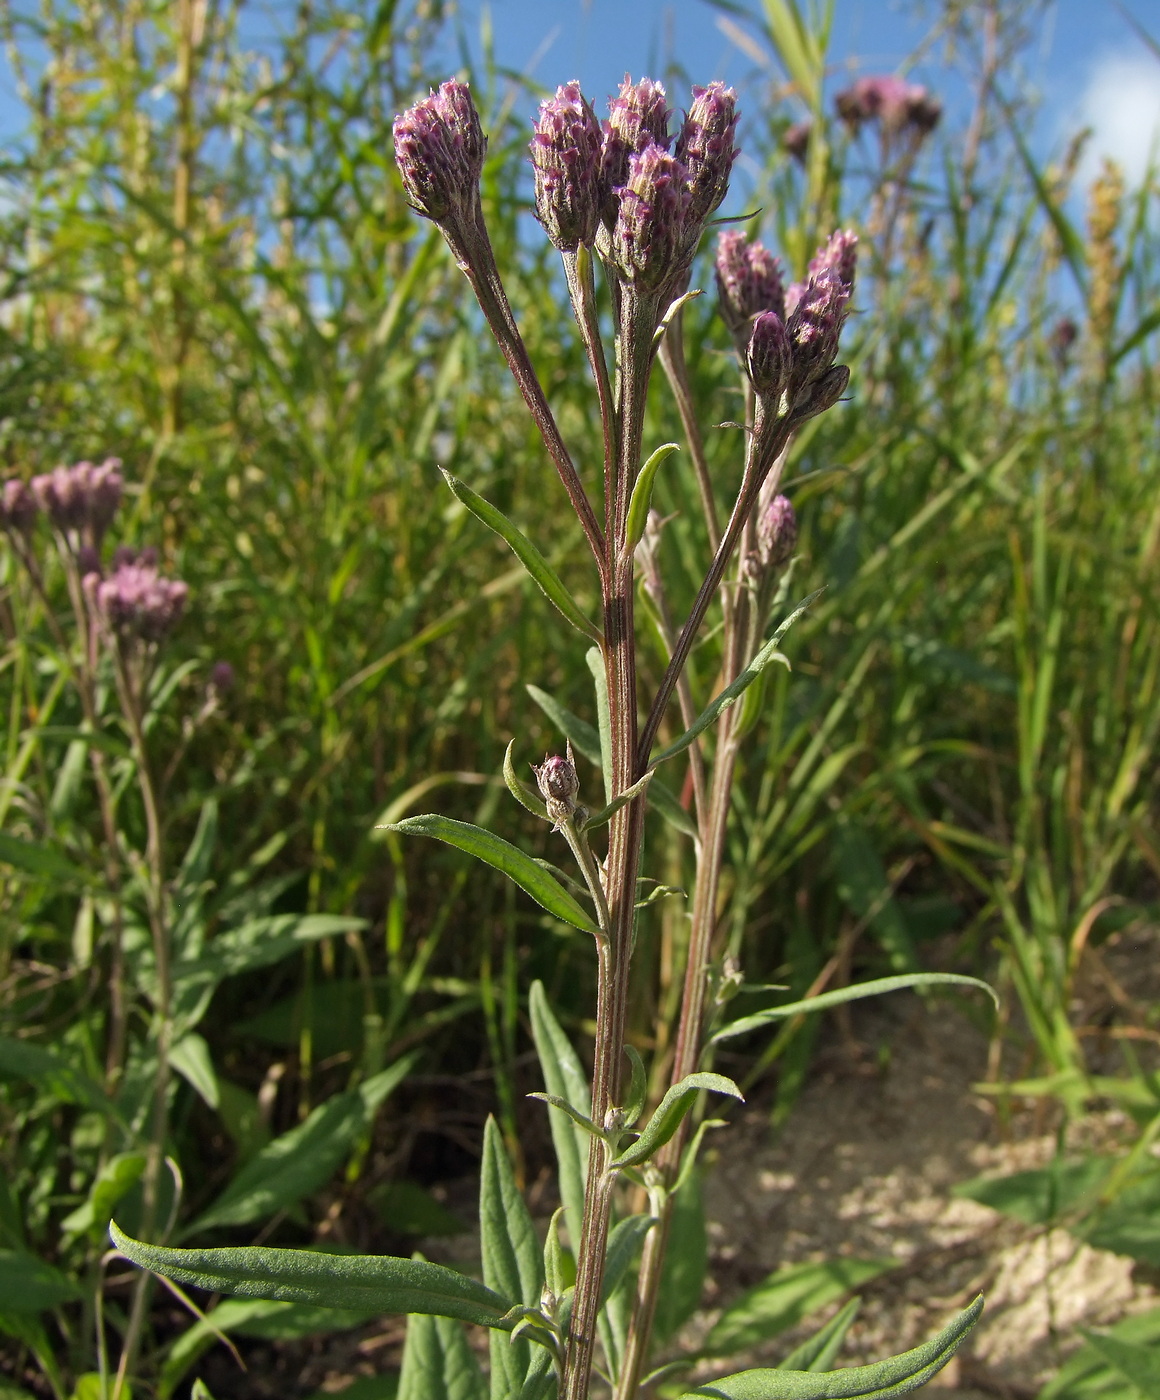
566	156
749	281
795	140
707	148
777	530
135	600
648	239
82	499
17	507
891	101
222	677
440	149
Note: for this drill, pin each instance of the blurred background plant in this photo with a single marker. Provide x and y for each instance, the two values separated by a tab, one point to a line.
208	269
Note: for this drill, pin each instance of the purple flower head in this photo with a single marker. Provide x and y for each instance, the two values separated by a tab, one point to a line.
135	600
795	140
840	254
777	530
559	786
649	238
221	677
814	326
83	498
769	356
637	118
440	149
891	101
566	158
749	281
17	507
707	148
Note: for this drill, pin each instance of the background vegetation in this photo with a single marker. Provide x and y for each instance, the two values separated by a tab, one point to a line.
209	271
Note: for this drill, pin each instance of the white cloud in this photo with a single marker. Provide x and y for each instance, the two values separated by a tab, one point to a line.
1121	103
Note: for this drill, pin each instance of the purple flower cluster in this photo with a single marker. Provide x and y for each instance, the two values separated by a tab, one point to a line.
134	600
81	500
788	335
18	507
895	104
624	187
777	530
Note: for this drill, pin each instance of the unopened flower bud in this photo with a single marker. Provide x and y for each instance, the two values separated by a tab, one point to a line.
440	149
821	393
559	786
637	118
707	149
769	356
777	532
83	498
17	507
135	601
649	236
840	254
566	156
815	325
749	281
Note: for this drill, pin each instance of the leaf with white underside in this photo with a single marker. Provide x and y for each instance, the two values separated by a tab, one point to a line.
671	1110
897	1375
540	571
359	1283
501	855
733	692
878	987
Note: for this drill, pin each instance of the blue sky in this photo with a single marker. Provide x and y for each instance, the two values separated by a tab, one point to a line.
1087	63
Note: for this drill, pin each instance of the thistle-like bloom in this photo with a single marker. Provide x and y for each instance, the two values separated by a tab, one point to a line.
135	601
648	242
83	498
777	530
795	140
814	327
891	101
840	254
769	356
559	787
749	281
440	149
566	159
637	118
707	149
17	507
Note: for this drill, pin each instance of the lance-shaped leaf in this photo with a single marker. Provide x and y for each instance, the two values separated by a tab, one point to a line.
641	498
523	793
541	572
359	1283
624	1244
733	692
817	1353
28	1284
844	994
565	1079
1137	1364
637	1087
512	1259
19	1059
438	1361
585	738
603	716
606	814
502	855
580	1119
671	1110
897	1375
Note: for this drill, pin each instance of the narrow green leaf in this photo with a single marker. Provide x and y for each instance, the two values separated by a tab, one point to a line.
1137	1364
641	498
360	1283
885	1379
733	692
541	572
190	1057
881	985
565	1079
523	793
817	1353
671	1110
686	1258
1042	1195
624	1244
637	1087
29	1285
541	1375
375	1091
603	722
37	859
261	942
668	805
21	1060
605	815
502	855
783	1299
438	1361
585	739
512	1260
581	1120
118	1176
290	1167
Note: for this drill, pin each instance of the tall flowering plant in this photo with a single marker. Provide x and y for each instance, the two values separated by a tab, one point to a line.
631	198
